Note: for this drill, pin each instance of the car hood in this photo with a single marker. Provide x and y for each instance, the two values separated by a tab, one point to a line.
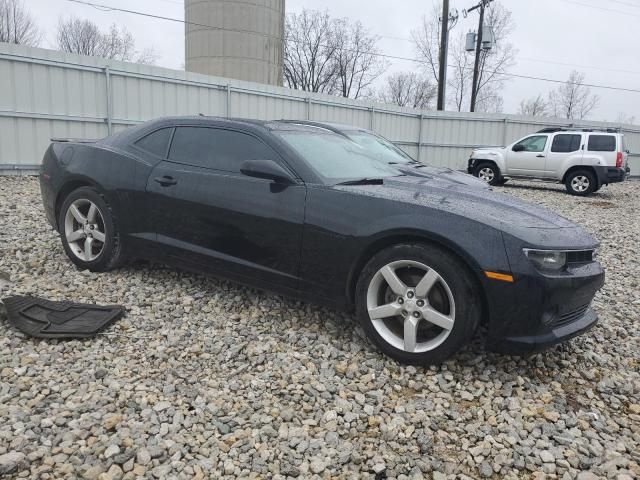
503	212
443	174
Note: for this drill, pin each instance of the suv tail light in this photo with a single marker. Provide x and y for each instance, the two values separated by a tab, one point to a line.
619	160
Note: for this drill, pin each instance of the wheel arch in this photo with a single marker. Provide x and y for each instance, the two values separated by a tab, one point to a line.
65	190
575	168
389	239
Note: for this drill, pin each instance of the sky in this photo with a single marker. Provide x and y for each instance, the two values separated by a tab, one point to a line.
553	37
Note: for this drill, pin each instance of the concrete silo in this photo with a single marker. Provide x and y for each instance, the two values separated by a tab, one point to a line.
241	39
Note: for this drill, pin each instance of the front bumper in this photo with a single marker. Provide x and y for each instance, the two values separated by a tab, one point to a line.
470	165
608	175
539	310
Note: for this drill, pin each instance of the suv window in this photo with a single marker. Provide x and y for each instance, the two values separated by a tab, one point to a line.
156	142
533	144
565	143
217	148
602	143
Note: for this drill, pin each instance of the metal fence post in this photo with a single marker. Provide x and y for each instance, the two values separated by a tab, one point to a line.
420	119
308	101
107	74
504	131
228	94
371	122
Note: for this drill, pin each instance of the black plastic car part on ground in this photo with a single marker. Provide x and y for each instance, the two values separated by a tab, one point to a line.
306	212
47	319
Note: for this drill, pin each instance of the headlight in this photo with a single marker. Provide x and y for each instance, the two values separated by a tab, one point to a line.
550	260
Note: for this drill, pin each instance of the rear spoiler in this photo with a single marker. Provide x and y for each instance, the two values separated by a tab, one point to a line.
74	140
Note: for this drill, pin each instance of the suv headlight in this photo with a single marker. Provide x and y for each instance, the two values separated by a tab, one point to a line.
549	260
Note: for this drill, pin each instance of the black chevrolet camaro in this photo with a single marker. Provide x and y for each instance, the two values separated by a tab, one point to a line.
333	215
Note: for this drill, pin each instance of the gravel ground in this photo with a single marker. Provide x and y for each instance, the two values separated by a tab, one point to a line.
204	378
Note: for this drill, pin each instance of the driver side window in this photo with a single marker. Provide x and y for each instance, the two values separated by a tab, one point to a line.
535	143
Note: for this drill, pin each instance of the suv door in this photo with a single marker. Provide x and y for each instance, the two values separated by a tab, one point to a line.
528	158
211	216
565	151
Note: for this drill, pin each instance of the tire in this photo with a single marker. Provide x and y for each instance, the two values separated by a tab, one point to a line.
452	301
488	172
580	183
89	231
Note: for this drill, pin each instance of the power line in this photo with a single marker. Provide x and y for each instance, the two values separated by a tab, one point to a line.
377	54
597	7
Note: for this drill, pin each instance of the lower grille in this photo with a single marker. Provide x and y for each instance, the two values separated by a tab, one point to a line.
571	316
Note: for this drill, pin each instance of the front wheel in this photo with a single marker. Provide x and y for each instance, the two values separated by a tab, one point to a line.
417	303
580	183
89	231
488	172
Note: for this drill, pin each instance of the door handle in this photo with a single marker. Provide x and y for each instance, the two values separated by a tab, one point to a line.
540	156
165	181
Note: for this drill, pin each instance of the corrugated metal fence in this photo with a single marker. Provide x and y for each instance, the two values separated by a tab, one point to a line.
46	94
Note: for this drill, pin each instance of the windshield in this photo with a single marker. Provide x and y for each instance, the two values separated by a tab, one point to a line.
335	157
380	148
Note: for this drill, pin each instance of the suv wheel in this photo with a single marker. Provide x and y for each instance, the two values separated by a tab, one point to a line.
417	303
581	183
88	231
488	172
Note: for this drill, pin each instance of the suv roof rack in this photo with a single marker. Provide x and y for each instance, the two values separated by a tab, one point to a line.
577	129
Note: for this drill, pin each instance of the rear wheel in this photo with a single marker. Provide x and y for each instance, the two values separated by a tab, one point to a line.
417	303
488	172
89	232
581	183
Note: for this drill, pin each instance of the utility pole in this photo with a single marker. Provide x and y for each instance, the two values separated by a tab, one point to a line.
476	67
444	48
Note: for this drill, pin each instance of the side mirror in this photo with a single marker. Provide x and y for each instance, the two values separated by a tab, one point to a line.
267	169
518	148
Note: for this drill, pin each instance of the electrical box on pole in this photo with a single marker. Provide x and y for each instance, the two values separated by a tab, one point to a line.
470	43
488	37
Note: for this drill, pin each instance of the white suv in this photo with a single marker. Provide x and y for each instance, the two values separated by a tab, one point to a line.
584	160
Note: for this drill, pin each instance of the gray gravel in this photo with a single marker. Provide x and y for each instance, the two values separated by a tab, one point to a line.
204	378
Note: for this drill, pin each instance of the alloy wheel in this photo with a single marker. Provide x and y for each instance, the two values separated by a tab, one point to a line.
84	229
580	183
411	306
487	174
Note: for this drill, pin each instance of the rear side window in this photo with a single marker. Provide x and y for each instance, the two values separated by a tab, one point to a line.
565	143
602	143
156	142
216	148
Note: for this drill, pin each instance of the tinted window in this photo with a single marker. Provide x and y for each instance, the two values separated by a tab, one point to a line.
602	143
156	142
217	149
565	143
533	144
335	157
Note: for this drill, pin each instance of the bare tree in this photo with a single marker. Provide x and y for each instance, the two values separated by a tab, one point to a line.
533	107
459	81
427	41
328	55
408	89
625	118
573	99
75	35
309	52
493	63
357	58
496	62
490	100
17	25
